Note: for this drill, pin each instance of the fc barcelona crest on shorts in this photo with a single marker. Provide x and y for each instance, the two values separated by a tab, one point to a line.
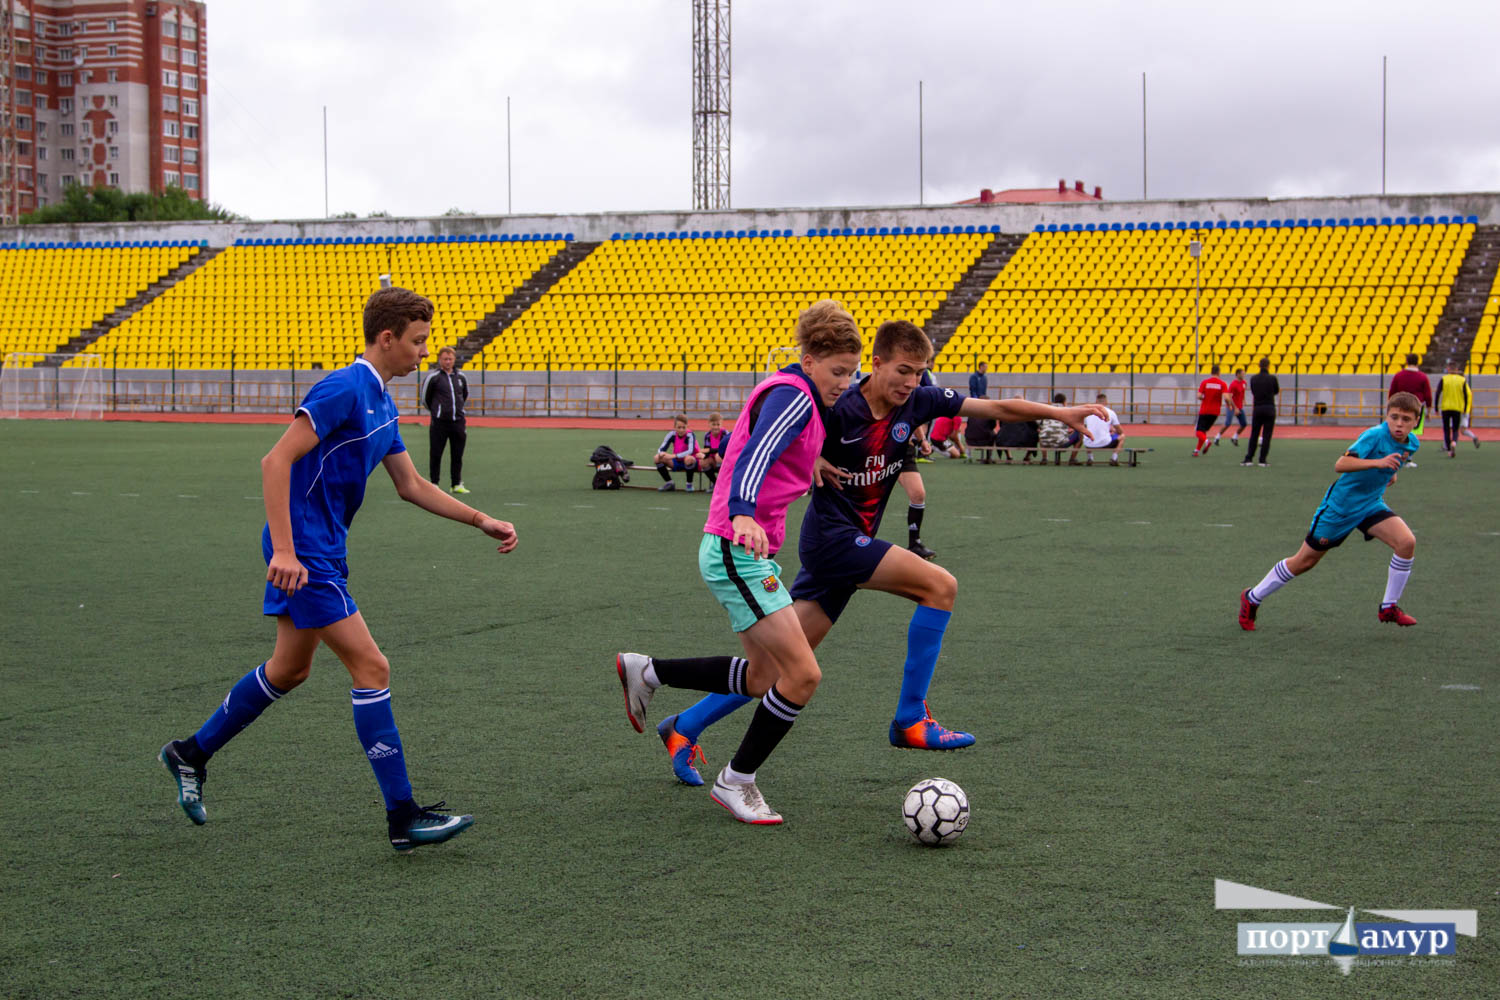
770	584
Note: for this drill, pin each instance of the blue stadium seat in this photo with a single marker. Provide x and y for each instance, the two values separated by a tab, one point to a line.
1427	220
1442	220
1039	228
968	230
1317	222
1400	220
1051	227
1472	220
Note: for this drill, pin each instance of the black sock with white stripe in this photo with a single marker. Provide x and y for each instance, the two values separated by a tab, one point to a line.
714	674
914	514
773	720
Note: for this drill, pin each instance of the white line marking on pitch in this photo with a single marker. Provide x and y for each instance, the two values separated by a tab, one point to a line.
187	496
129	494
658	508
249	498
81	493
583	506
1218	525
970	517
1482	532
1137	522
1058	520
514	504
1459	687
31	491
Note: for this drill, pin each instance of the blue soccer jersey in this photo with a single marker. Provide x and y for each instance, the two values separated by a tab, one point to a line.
1353	492
355	420
874	451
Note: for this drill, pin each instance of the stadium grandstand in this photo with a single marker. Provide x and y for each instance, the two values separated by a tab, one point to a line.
1100	302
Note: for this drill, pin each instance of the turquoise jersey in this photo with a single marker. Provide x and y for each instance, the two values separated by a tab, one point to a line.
1355	492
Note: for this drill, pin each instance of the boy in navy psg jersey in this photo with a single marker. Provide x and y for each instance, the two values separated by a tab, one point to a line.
313	481
864	452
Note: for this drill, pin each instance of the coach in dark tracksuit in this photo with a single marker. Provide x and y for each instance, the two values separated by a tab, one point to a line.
1263	391
444	396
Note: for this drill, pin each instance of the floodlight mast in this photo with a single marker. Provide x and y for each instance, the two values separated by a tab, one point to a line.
711	92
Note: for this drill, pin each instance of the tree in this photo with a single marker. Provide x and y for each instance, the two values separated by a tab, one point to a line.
107	204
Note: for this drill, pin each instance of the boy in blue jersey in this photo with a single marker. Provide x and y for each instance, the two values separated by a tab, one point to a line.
1355	500
313	481
863	454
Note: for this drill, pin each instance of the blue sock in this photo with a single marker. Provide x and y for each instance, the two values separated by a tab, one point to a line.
924	641
705	713
249	697
376	727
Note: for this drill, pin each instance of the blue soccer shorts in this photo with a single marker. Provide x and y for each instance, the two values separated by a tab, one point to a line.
323	600
833	568
1330	528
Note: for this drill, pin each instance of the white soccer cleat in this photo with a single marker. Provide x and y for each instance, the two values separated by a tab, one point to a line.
632	670
744	802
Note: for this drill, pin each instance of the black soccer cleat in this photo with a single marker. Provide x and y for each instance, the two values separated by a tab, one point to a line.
921	550
417	826
189	780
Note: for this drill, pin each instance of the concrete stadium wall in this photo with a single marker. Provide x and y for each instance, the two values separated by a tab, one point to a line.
1012	218
1144	398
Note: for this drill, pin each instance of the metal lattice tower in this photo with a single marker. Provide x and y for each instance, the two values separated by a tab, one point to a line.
9	195
710	104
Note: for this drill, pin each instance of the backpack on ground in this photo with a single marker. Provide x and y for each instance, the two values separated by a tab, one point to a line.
611	471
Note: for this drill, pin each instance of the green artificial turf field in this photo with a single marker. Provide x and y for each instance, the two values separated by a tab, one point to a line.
1133	743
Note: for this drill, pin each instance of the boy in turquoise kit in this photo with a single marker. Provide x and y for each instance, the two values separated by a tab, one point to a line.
1355	500
313	481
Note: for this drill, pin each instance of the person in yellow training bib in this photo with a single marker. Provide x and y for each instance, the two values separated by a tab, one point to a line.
1455	401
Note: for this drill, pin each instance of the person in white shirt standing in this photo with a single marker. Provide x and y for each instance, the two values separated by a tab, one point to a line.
1102	432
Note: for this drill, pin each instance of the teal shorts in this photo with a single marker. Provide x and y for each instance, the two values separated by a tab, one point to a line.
749	588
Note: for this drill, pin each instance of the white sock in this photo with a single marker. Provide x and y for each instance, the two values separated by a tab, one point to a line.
1395	580
649	676
1114	456
733	777
1279	577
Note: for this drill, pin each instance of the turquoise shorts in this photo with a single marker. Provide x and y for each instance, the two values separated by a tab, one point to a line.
749	588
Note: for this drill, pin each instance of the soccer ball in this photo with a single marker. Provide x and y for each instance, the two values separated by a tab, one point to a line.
936	811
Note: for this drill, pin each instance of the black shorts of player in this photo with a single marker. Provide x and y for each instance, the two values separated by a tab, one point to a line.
1206	421
833	569
910	464
1324	544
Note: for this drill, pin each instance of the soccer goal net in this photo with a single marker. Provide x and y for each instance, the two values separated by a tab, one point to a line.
778	358
62	386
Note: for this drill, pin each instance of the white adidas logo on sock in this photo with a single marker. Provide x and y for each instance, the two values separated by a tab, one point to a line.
380	750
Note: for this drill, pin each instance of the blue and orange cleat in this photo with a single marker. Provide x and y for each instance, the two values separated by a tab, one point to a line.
927	734
685	754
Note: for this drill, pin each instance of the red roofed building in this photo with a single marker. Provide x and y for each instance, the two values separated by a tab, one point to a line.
1036	196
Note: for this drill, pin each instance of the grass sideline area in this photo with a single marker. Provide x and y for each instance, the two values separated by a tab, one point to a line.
1133	743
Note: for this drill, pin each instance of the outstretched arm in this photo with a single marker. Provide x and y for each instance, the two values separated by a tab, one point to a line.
411	487
1017	410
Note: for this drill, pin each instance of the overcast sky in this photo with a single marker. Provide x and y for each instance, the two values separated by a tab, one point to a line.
1268	98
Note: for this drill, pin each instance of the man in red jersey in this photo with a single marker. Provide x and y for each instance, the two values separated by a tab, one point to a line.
1210	395
1413	380
1236	407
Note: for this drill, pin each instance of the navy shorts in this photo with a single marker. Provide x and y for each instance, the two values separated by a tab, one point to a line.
1206	421
323	600
1329	530
676	465
833	570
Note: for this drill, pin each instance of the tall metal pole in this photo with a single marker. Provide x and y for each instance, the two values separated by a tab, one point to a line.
507	156
1143	137
325	161
921	150
1195	250
1382	124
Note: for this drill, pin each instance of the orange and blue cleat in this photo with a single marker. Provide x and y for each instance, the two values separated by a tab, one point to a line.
927	734
685	754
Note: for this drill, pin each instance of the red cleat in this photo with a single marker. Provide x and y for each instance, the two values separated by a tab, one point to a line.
1247	611
1393	613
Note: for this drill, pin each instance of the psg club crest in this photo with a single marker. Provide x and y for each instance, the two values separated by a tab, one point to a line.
863	540
901	431
770	584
